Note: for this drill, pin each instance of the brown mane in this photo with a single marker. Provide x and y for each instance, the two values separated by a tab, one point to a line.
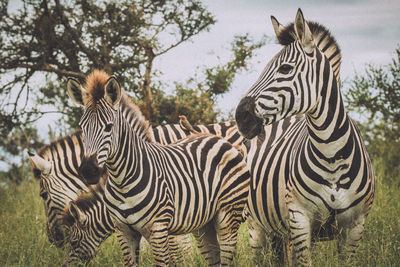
94	85
95	89
85	201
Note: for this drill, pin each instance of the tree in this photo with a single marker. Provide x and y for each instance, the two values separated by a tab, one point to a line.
196	97
45	41
70	38
376	95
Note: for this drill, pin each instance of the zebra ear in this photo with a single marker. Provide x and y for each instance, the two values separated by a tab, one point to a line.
75	91
40	163
112	92
76	212
277	26
303	32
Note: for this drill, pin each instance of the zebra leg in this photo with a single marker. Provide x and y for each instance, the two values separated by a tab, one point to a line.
227	225
129	241
349	238
300	237
258	240
179	246
206	240
158	240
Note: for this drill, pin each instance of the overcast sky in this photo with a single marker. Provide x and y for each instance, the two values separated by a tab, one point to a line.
368	31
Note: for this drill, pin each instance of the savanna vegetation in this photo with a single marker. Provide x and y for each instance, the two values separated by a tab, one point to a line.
50	40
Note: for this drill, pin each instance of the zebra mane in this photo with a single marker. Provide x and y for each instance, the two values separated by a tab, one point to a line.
85	201
134	115
94	85
322	38
95	88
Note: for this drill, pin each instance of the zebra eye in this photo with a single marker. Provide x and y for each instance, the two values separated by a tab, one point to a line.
285	68
108	127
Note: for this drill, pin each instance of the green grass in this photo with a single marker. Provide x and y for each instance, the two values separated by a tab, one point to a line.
23	240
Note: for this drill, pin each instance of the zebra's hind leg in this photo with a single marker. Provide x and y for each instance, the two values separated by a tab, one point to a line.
259	239
350	237
129	241
180	246
227	225
207	242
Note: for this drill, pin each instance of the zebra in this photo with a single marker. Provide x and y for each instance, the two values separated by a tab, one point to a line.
56	165
198	185
317	178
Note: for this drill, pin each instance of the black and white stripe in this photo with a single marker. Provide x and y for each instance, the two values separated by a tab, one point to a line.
198	185
316	179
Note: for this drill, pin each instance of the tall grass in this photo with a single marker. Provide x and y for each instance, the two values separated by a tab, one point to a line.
23	240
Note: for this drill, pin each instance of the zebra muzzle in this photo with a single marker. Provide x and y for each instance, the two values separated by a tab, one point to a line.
90	169
249	124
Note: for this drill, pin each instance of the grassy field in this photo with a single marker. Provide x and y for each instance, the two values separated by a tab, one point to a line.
23	240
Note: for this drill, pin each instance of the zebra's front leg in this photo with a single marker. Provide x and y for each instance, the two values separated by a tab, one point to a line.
158	240
129	241
350	237
258	240
300	236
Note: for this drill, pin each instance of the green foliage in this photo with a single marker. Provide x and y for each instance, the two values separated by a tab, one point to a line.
70	38
196	97
44	42
376	95
23	240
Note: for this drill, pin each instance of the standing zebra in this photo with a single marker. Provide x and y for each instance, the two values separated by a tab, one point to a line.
318	179
56	165
199	184
88	219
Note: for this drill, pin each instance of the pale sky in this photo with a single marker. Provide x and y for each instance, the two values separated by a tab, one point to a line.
367	31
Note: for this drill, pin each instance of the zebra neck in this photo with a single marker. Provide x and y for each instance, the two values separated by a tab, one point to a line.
329	125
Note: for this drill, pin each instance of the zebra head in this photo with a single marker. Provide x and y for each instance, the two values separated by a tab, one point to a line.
86	231
78	225
100	100
290	83
55	196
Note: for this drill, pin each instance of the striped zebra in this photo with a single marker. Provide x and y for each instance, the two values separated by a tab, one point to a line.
317	179
88	218
198	185
57	167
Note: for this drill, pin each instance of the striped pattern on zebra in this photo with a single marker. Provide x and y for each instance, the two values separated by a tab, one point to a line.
317	179
56	165
199	184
